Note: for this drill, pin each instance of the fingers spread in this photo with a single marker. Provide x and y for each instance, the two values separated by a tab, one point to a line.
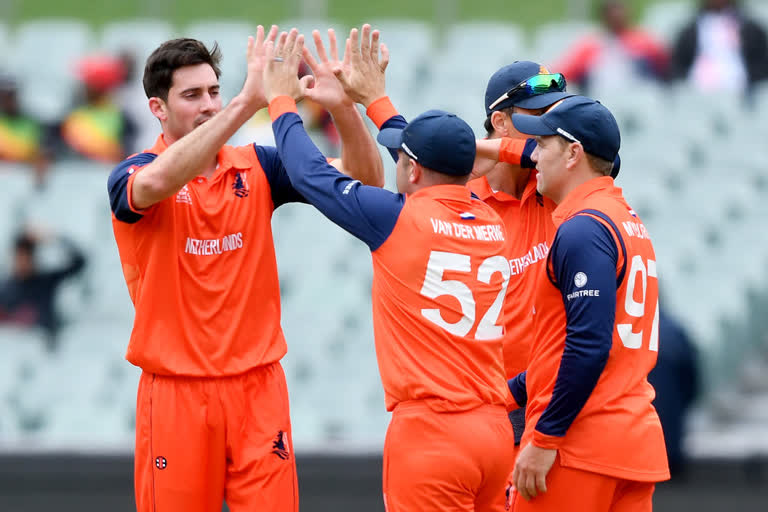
280	44
259	35
272	35
298	49
365	43
249	48
347	53
375	46
290	43
332	42
309	59
384	62
319	46
355	46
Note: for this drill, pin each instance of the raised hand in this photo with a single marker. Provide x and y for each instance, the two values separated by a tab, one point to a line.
362	72
253	88
282	68
327	90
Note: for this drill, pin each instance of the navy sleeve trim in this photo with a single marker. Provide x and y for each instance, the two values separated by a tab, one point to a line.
517	387
280	184
607	219
117	186
368	213
584	258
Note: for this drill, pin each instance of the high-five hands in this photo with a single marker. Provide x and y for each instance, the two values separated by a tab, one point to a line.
327	90
281	73
362	71
253	88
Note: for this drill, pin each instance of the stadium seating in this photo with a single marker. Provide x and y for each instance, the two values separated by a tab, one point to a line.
140	36
47	90
665	19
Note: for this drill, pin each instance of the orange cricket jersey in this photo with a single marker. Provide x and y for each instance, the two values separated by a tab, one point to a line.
439	281
617	432
529	232
200	268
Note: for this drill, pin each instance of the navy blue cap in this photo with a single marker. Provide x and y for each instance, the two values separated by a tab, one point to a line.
509	77
437	140
578	119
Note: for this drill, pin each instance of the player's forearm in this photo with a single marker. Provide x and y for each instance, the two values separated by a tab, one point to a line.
182	161
359	155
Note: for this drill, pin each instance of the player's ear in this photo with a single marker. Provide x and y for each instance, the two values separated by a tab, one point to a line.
414	171
498	119
574	154
158	108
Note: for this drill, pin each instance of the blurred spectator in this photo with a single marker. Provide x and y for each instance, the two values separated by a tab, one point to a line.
27	295
21	137
721	49
619	55
98	129
676	380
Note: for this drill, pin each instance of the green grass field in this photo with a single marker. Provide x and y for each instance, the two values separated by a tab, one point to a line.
349	12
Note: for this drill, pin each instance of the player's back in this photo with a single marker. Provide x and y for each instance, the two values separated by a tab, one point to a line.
529	233
438	288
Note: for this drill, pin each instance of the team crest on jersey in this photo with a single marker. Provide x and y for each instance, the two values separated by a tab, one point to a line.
183	195
280	445
240	186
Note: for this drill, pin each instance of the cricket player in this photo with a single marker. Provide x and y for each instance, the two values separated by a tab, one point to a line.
439	283
522	87
191	218
593	441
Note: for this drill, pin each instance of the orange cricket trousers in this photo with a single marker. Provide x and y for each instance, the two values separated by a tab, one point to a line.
200	441
576	490
447	461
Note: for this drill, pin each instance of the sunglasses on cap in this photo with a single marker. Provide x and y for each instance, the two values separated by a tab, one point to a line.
537	84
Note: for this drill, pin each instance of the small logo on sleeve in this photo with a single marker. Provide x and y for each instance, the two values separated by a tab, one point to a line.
161	463
349	187
280	445
580	280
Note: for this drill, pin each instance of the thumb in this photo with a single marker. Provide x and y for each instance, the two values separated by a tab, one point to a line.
307	82
340	75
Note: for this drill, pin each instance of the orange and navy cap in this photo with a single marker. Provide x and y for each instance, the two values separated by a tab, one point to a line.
507	87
